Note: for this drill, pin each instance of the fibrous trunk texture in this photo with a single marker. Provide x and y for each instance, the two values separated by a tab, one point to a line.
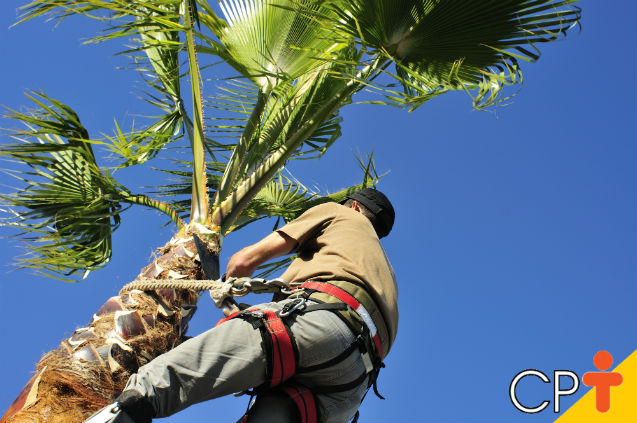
89	369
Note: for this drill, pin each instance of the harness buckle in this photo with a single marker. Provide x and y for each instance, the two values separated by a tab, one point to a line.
294	305
367	361
255	314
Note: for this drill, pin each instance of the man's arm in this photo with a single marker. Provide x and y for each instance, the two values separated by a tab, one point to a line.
245	261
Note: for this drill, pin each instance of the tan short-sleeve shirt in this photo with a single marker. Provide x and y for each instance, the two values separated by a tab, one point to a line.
338	243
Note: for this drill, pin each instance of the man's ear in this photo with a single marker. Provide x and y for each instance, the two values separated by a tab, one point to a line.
355	206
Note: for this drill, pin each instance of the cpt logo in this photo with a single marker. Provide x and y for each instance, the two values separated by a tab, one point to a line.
602	381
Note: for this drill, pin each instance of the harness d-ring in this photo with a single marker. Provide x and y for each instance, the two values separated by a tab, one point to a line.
297	304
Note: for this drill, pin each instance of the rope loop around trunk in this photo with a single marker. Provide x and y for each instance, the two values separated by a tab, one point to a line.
220	290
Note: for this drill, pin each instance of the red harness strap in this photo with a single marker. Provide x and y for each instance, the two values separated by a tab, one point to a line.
225	319
283	360
345	297
276	336
304	400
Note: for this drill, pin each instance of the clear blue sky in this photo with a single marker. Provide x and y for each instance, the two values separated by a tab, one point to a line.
514	244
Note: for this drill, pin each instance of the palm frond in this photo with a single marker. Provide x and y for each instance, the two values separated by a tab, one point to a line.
283	197
291	107
231	109
269	42
153	27
265	130
455	44
138	146
123	17
68	207
237	160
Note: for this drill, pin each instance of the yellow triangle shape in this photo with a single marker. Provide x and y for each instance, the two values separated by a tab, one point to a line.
623	400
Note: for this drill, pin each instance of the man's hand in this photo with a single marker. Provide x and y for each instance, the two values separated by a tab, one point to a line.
245	261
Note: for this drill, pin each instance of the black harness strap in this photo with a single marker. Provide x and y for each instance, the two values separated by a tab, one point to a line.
340	388
357	344
337	306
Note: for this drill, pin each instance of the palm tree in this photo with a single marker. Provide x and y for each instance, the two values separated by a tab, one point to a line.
296	64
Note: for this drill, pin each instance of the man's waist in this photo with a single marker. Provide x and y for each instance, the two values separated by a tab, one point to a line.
361	302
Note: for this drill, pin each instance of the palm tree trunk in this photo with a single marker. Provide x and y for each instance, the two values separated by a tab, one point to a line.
89	369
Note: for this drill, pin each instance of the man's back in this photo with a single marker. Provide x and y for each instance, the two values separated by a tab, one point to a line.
337	243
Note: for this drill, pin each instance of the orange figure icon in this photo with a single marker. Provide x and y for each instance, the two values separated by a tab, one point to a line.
602	381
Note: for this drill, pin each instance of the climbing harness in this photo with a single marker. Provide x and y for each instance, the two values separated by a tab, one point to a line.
280	347
349	301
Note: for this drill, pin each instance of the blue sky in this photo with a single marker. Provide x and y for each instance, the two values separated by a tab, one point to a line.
514	245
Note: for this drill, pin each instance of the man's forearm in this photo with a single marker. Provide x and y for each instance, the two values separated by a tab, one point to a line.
246	260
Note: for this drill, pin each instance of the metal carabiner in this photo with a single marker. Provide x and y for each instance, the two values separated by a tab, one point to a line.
297	304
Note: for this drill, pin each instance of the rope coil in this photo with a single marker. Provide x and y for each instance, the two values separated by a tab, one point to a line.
153	284
220	290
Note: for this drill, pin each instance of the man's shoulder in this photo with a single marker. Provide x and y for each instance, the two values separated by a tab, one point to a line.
329	207
331	214
331	210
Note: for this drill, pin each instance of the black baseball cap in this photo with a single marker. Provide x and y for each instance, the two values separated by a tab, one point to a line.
377	203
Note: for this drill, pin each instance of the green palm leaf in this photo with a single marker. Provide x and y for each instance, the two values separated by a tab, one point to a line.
269	42
69	207
288	198
455	44
159	67
153	27
264	131
301	62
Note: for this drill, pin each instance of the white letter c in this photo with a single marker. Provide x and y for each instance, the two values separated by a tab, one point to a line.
514	398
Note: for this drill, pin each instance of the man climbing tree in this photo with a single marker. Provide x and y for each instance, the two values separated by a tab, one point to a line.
280	103
315	352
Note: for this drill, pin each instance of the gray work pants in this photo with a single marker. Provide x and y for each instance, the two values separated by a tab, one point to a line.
230	358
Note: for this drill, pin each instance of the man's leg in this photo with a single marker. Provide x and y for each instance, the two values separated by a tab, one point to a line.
229	358
320	336
226	359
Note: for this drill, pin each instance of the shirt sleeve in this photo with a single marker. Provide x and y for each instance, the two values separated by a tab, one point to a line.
309	224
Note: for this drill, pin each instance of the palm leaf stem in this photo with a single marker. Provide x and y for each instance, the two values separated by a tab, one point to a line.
187	121
229	209
199	204
161	206
190	130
